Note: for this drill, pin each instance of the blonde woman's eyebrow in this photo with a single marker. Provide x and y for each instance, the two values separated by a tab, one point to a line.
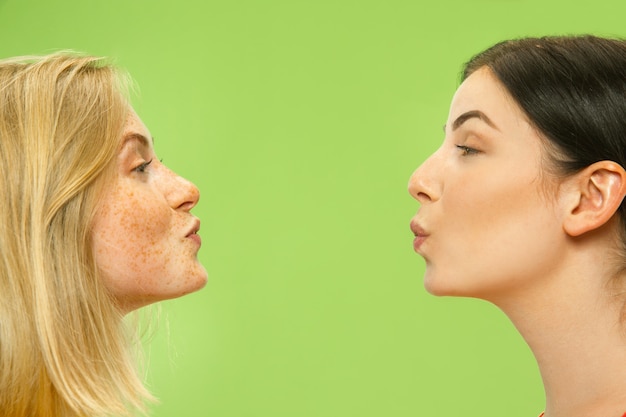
138	137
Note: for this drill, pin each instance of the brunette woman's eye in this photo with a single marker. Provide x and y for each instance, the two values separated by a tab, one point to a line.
467	151
142	167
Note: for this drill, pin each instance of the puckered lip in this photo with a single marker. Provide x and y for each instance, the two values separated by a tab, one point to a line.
418	231
194	228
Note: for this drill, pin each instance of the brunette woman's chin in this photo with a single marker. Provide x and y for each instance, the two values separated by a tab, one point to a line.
438	285
454	285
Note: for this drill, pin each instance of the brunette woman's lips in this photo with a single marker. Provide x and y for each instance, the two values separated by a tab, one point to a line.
420	235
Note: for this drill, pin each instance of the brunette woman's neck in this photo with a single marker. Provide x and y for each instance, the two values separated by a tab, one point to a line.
573	326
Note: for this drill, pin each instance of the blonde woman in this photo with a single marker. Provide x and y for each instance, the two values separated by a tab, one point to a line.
92	226
523	206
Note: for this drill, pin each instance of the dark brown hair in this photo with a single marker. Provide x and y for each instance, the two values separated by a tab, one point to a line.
573	89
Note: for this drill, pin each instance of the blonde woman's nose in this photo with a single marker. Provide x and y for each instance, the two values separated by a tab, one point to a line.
181	193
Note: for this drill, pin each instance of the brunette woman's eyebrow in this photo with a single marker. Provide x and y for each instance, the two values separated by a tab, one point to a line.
472	114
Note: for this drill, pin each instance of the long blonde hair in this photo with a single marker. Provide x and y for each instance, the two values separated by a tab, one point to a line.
64	350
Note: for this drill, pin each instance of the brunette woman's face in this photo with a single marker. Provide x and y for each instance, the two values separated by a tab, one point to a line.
145	238
486	225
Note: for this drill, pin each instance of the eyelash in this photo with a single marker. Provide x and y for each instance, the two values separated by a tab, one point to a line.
467	151
142	168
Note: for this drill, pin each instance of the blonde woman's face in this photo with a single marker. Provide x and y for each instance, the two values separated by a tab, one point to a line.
145	238
486	227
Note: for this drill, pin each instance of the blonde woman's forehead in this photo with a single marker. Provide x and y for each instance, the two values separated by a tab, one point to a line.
135	124
135	128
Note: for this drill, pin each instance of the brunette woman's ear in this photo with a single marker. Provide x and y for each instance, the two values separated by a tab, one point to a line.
595	194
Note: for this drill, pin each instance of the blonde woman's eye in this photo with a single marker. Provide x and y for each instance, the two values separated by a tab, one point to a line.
467	151
142	167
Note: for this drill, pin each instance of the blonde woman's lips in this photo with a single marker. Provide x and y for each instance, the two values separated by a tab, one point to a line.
193	233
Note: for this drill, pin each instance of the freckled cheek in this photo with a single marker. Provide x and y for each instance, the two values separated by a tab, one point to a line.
143	225
134	229
144	228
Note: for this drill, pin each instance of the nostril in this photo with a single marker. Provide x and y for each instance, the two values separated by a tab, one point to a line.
422	186
422	197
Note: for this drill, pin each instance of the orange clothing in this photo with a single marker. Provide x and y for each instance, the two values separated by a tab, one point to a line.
541	415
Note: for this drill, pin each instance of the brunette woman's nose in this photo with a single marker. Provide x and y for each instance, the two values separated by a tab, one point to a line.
424	185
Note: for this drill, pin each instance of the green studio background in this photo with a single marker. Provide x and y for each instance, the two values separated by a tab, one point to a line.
301	122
